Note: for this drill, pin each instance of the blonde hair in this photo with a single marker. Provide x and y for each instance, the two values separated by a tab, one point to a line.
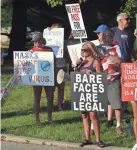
56	25
91	46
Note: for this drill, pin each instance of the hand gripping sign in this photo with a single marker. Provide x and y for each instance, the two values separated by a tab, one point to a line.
76	21
129	81
89	92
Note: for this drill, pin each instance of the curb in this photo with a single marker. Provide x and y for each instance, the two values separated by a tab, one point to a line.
29	140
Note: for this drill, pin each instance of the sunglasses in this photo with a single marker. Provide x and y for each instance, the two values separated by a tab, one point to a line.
84	50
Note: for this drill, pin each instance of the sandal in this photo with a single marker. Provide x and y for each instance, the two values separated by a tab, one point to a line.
100	144
85	142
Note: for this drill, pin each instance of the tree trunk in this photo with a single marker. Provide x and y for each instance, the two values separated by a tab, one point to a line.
18	31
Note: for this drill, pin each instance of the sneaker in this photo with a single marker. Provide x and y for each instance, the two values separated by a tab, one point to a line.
119	130
135	147
110	123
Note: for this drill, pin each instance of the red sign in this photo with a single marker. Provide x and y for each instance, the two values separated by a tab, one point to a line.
129	81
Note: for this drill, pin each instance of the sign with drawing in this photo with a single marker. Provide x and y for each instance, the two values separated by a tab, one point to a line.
75	51
35	68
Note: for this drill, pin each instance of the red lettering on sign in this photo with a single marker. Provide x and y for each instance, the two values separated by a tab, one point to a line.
75	9
75	17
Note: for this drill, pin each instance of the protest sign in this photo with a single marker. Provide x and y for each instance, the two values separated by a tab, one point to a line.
89	91
75	51
9	87
55	38
76	21
129	83
35	68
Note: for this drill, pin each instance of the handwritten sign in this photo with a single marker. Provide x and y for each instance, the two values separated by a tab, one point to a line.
35	68
129	85
55	38
89	92
76	21
75	51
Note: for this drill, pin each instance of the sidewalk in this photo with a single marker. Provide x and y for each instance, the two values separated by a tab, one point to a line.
28	140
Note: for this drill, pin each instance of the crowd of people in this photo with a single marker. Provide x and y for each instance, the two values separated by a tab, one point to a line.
116	45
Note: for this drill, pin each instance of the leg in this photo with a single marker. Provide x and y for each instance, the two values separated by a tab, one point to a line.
60	95
96	124
134	107
125	108
37	96
85	118
50	96
110	116
118	119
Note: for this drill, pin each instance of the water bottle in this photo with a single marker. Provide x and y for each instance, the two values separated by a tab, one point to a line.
129	128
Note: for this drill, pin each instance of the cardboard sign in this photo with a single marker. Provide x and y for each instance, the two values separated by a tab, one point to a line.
34	68
76	21
75	51
89	92
55	38
129	84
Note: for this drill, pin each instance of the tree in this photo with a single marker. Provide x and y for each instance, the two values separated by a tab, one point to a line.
130	7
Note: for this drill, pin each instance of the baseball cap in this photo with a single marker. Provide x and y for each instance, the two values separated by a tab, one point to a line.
101	28
36	36
108	36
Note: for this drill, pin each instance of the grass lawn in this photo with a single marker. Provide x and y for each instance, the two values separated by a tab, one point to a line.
17	118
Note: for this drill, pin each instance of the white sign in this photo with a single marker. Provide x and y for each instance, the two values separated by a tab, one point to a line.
76	21
34	68
75	51
55	37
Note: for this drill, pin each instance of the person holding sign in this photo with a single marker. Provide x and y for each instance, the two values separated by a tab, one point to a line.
60	64
39	45
89	65
111	65
125	39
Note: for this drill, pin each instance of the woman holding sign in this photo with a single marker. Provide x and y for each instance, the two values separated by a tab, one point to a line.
89	65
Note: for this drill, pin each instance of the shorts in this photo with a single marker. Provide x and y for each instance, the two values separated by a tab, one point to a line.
114	94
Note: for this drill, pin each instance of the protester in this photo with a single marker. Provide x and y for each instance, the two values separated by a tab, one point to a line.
134	107
125	39
39	46
99	31
60	64
111	65
89	65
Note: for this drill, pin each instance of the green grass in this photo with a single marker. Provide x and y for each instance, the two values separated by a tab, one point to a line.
18	119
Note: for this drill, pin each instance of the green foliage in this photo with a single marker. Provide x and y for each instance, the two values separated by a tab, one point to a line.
130	7
54	3
6	17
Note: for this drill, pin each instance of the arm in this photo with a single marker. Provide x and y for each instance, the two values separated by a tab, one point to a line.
115	59
97	66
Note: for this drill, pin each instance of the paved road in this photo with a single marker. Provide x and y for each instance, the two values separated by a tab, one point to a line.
20	146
